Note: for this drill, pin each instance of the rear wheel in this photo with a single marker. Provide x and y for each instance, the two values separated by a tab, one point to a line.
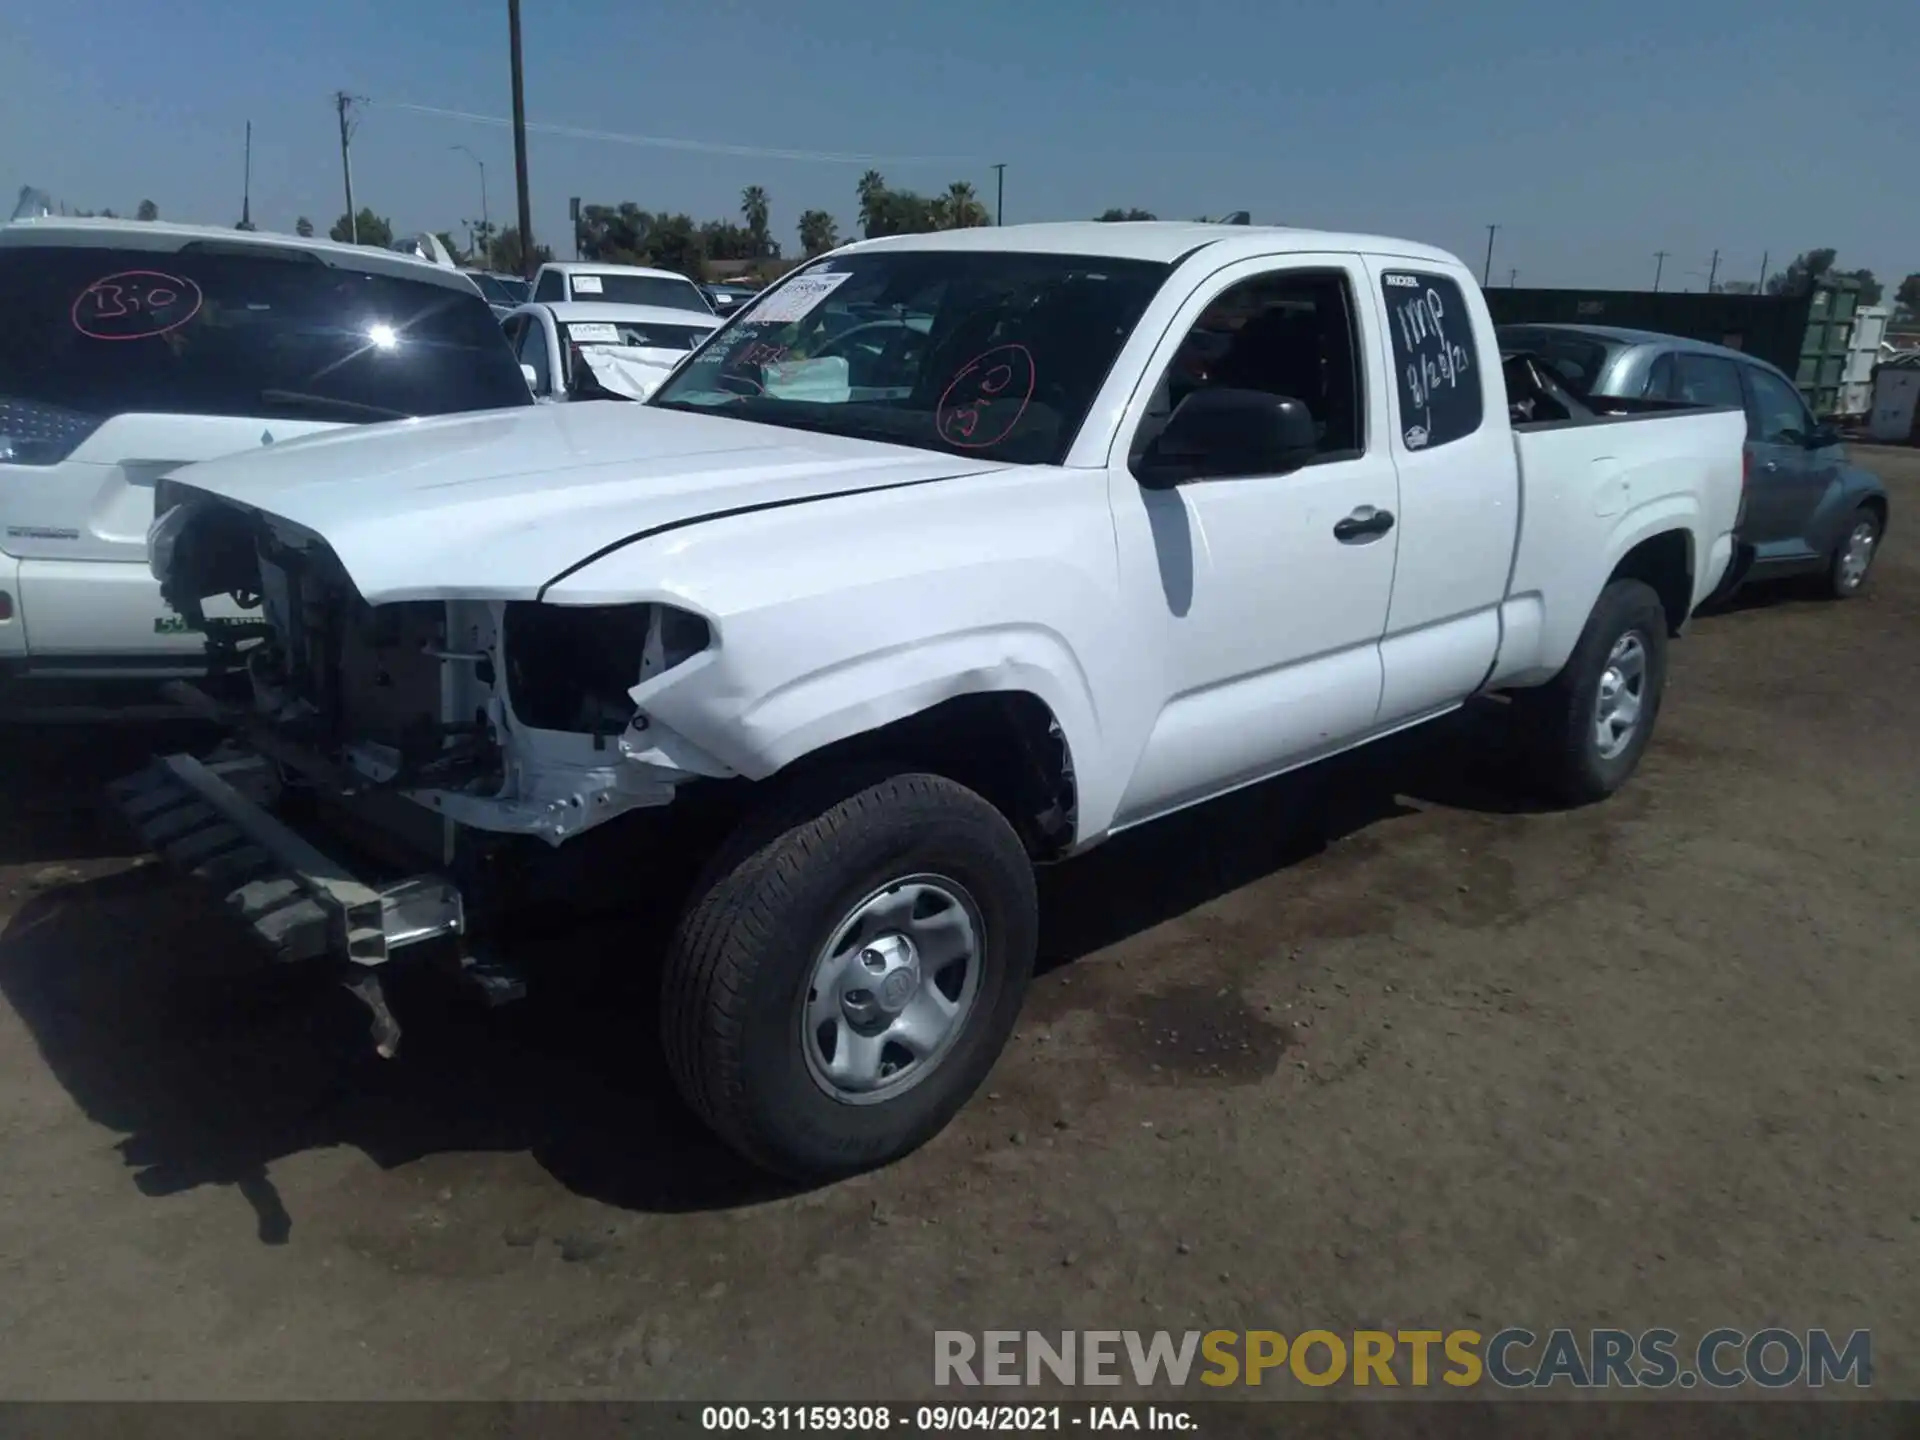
1852	557
1586	729
849	971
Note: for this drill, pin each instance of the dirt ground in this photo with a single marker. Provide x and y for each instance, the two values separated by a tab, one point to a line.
1375	1046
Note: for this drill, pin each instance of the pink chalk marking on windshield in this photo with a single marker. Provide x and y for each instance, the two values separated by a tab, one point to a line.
979	408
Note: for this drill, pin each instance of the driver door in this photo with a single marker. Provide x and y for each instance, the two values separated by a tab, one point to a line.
1263	604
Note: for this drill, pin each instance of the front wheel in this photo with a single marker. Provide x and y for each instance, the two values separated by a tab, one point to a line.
849	972
1852	558
1587	727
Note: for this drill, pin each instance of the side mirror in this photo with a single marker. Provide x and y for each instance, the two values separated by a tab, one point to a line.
1823	436
1222	432
531	376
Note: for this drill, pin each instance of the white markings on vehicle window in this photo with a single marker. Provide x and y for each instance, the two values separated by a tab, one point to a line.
1435	366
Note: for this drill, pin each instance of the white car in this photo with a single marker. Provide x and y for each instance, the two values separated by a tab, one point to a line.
866	630
576	350
562	280
131	349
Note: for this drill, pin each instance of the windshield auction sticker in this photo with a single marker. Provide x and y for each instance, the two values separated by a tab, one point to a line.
797	299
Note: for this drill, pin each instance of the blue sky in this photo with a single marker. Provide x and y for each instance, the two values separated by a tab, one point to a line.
1593	138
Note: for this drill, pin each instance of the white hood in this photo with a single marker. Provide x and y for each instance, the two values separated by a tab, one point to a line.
495	505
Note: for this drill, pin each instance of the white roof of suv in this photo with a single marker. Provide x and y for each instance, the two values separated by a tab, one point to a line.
164	237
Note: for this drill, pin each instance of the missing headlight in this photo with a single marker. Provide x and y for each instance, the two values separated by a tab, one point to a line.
570	667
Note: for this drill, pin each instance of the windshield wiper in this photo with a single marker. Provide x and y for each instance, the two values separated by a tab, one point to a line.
331	402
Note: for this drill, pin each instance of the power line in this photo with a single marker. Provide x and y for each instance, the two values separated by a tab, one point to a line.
661	142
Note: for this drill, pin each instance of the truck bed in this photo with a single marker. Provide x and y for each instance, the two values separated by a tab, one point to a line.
1594	478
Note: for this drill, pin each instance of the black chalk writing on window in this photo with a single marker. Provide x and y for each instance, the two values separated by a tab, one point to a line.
1434	363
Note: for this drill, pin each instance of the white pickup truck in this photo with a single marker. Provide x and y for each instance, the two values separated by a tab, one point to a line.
949	555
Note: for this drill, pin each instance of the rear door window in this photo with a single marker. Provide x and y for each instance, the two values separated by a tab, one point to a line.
235	329
1707	380
1436	369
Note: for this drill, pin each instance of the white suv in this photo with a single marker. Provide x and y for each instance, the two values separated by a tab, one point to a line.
130	349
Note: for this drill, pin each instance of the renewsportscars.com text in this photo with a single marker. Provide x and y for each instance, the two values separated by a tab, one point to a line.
1514	1358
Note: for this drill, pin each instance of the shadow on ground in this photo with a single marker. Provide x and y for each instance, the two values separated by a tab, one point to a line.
151	1013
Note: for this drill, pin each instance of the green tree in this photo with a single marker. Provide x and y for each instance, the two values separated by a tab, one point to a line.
960	208
303	227
374	230
819	233
1814	265
506	254
147	211
873	200
1907	297
1127	214
754	210
445	237
1870	287
724	240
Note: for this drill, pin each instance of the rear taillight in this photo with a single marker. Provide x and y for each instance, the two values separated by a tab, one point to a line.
32	433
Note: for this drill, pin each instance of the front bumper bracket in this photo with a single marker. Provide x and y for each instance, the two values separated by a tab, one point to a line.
302	903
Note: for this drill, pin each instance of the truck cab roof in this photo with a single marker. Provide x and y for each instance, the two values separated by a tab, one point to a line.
1165	241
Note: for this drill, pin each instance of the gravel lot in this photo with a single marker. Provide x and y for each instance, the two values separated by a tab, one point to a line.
1372	1046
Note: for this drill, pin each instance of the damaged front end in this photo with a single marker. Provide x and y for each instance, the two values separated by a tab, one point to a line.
435	740
509	717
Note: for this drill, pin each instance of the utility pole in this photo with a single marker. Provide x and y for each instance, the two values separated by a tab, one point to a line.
343	102
1513	277
1486	272
246	190
1765	255
1713	269
999	193
520	141
1659	264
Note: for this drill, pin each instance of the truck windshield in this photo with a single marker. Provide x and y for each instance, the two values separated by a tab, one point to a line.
991	353
230	330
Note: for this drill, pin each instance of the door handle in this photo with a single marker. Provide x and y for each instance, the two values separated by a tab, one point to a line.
1364	524
1771	465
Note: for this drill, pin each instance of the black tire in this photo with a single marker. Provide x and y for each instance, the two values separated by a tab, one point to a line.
742	959
1839	584
1559	720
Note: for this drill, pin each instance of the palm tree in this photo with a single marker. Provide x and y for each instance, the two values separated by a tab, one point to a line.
753	209
960	208
873	200
818	233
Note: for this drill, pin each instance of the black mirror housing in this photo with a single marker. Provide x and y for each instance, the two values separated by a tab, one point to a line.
1223	432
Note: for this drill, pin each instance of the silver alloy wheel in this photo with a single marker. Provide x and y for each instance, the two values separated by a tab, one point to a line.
1623	686
892	989
1857	554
